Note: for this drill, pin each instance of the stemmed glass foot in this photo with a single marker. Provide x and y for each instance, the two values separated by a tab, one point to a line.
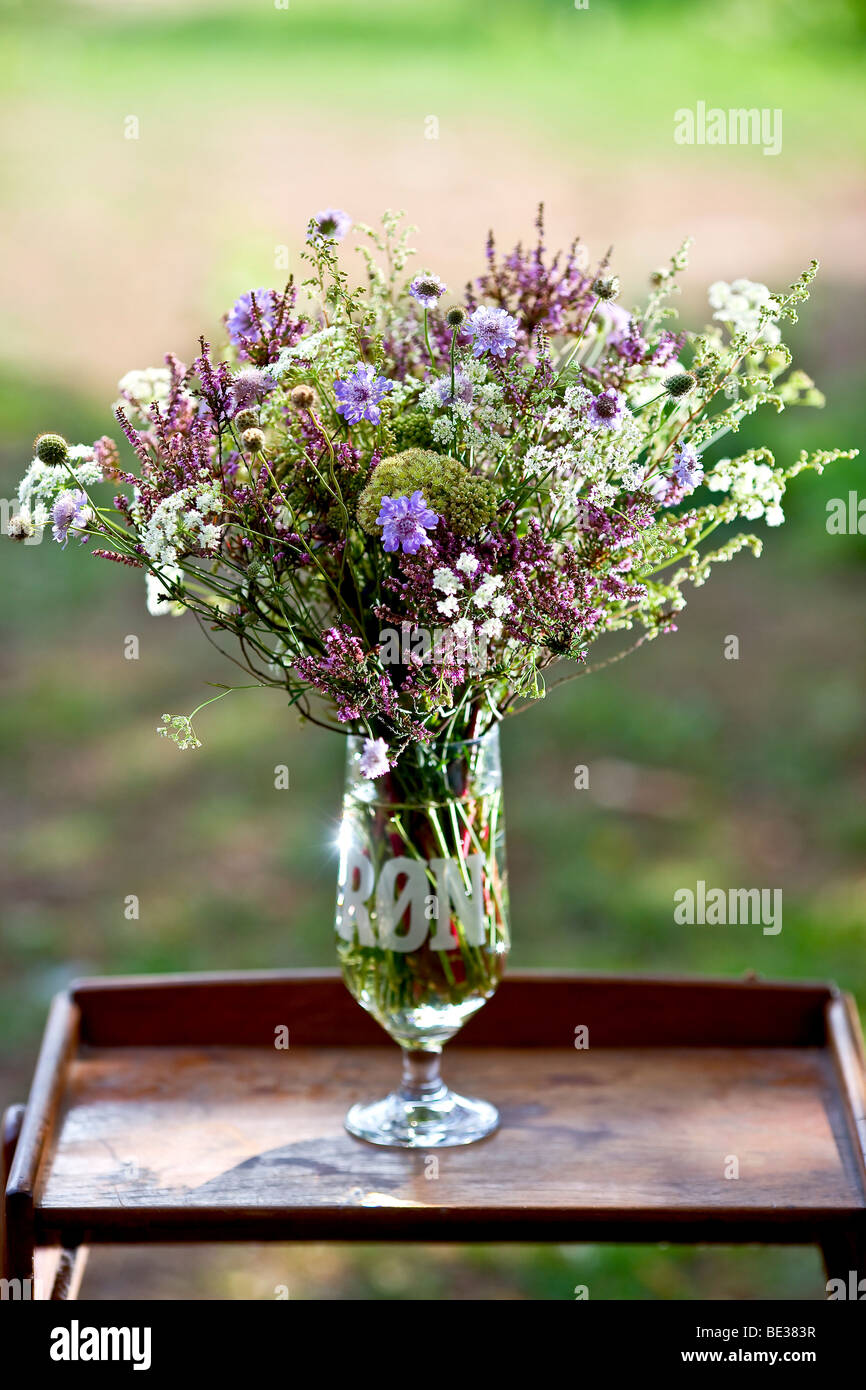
422	1113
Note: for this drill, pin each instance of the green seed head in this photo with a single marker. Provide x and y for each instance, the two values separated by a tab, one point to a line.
606	286
413	430
253	440
681	384
465	502
52	448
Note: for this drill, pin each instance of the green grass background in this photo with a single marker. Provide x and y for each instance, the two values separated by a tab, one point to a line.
746	773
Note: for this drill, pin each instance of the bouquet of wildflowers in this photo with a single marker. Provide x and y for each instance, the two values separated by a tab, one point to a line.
415	511
410	508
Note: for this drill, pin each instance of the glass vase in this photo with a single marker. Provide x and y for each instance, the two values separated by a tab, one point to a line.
422	924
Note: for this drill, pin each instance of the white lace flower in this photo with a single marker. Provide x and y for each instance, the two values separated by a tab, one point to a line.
467	564
740	304
486	591
445	580
43	482
755	487
141	389
183	523
448	606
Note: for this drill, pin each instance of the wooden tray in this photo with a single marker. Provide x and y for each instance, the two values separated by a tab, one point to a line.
161	1110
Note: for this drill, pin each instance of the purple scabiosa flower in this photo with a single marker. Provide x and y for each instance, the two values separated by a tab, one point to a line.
606	411
462	389
71	511
427	290
661	489
250	386
241	322
405	522
332	223
373	761
359	396
494	331
687	468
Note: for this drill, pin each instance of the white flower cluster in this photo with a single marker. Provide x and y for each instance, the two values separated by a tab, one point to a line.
590	459
486	597
140	389
478	405
308	349
43	483
179	729
755	487
741	305
183	522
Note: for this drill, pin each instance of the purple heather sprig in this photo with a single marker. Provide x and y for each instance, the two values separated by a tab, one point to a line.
242	321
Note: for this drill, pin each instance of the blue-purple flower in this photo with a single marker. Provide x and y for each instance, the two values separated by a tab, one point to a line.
463	389
250	385
241	322
360	395
606	411
427	289
494	331
687	468
405	522
71	512
332	223
661	489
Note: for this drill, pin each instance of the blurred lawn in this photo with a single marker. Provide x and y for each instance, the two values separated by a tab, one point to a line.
748	772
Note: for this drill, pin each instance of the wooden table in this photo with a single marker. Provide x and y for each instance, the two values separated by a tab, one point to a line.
702	1110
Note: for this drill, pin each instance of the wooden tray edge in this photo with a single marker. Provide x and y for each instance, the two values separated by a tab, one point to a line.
59	1041
530	1008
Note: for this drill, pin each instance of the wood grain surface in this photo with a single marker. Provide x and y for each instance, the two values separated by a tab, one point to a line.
161	1110
223	1138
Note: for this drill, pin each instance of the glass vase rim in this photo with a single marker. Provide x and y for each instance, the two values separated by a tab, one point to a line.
449	743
